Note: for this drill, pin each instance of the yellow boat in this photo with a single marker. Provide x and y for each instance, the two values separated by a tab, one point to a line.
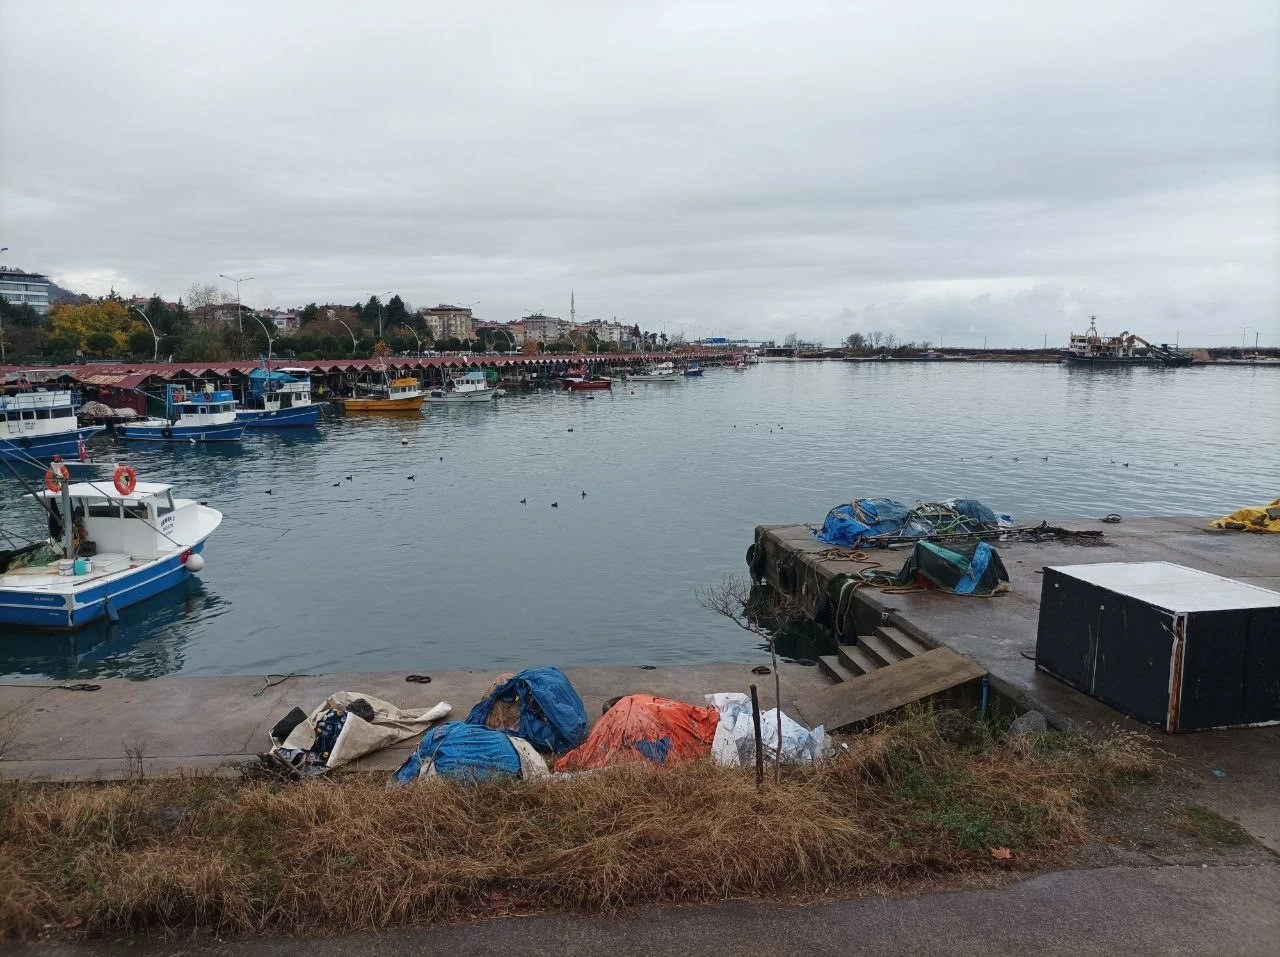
401	395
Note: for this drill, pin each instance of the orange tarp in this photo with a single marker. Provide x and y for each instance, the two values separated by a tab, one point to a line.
644	727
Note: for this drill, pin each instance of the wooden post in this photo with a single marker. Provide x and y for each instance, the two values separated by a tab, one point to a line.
755	720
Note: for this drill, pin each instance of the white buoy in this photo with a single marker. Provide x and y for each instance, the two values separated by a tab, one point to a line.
195	563
404	441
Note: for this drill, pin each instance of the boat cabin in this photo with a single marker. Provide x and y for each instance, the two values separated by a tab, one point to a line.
405	388
473	381
1090	345
38	413
139	525
280	390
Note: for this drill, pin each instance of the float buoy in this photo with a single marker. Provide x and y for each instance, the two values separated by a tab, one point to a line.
55	476
194	563
125	479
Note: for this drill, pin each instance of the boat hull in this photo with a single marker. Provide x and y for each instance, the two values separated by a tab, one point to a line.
668	377
692	372
42	446
70	611
384	405
456	398
226	432
588	385
299	417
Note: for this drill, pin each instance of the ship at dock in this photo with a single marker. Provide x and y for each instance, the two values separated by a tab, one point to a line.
1091	349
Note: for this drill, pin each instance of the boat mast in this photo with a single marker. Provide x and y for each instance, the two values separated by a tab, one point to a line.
68	532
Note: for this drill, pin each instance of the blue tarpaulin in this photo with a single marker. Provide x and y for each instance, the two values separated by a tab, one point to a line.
458	750
552	717
848	525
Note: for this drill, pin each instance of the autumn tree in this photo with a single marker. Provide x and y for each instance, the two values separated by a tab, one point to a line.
107	322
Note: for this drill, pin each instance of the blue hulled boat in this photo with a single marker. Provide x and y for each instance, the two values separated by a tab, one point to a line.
694	368
206	416
35	423
279	399
112	544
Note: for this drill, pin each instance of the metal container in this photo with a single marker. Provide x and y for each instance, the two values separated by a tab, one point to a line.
1171	646
66	567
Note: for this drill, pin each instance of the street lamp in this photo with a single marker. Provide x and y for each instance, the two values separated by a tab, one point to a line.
3	249
239	318
155	356
270	340
354	340
416	337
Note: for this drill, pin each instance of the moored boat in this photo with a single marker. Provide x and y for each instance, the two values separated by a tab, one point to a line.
35	423
1091	349
279	399
205	416
112	544
398	395
583	379
693	368
662	372
472	387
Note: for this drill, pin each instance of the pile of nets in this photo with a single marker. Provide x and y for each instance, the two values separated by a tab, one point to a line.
881	521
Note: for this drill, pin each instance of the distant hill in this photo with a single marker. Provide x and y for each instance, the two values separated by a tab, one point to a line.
57	294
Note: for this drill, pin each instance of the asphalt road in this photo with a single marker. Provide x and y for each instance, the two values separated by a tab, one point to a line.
1220	910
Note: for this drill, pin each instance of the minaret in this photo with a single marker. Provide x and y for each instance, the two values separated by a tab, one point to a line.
573	312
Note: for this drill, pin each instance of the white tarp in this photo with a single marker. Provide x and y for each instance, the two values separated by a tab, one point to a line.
735	740
358	736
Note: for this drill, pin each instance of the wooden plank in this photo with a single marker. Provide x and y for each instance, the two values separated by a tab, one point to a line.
887	689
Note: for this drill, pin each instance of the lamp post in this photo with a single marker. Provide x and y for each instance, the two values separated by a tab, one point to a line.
354	340
416	337
270	340
155	356
3	249
239	317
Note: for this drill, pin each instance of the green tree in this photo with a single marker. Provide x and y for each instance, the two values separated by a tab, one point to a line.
396	312
203	345
142	343
99	343
310	313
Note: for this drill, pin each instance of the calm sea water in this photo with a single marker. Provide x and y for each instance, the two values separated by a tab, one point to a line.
450	570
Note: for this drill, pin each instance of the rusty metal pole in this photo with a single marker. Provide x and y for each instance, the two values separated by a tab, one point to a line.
755	720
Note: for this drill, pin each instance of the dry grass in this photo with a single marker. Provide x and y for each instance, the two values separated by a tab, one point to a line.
929	795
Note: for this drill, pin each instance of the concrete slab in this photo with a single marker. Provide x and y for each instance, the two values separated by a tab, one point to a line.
185	724
887	689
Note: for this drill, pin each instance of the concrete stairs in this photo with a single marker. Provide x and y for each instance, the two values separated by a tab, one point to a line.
886	646
883	672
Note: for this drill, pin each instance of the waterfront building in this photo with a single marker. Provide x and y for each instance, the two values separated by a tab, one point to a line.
25	289
540	328
449	322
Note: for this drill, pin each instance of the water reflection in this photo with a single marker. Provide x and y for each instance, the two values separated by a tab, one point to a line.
147	642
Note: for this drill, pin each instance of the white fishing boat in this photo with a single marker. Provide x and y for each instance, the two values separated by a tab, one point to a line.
662	372
472	387
112	544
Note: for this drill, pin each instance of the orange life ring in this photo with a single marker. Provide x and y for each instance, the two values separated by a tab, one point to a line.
57	474
125	479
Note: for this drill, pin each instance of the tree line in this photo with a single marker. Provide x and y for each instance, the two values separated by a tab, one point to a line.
207	325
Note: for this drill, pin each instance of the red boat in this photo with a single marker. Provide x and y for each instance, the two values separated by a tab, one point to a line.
586	385
580	380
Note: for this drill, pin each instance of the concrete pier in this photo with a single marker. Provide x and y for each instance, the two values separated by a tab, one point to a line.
1240	768
168	726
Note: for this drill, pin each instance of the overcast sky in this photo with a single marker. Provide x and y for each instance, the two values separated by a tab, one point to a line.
943	171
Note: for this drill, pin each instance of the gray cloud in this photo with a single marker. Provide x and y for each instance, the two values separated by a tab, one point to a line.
953	171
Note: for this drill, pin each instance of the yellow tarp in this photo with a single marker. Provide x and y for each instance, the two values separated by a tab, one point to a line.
1256	518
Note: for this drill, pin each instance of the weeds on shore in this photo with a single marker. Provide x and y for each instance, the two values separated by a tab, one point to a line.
934	793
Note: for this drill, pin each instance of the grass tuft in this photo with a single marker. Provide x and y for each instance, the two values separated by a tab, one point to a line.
927	795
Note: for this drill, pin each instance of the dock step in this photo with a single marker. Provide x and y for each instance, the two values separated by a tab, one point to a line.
857	660
904	644
880	650
833	667
937	673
